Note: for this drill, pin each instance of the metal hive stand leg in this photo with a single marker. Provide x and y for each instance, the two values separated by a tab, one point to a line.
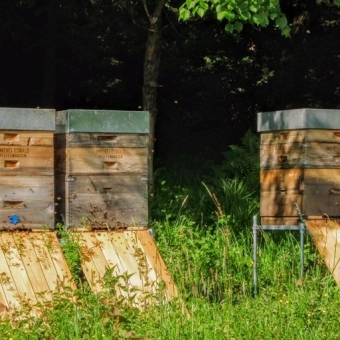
256	227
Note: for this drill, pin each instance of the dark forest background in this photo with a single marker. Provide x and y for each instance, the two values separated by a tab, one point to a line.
89	54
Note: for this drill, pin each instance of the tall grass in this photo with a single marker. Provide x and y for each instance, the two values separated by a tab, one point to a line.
202	226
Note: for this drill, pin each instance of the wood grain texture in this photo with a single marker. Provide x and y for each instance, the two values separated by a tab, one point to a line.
26	159
301	136
326	236
280	180
106	199
106	140
29	197
98	160
32	268
132	255
26	138
157	261
280	220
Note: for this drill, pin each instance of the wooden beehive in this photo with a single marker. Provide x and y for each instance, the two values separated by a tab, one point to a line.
26	167
300	163
101	168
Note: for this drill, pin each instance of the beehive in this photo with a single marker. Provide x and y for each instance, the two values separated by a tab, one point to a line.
101	167
26	167
300	163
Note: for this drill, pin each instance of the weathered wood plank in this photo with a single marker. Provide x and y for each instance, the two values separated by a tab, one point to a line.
26	138
14	159
105	139
280	220
45	261
326	235
155	258
94	259
58	260
283	137
112	257
107	200
102	160
32	267
282	180
29	197
6	278
19	274
148	275
126	256
280	203
303	155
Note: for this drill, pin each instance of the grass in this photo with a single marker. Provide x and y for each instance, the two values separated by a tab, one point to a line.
202	227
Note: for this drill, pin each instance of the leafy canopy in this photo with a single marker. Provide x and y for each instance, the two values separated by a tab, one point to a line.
237	12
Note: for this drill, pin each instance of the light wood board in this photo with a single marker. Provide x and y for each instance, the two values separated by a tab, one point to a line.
32	268
135	260
326	235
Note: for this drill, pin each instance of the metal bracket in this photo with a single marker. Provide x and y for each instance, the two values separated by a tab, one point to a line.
256	227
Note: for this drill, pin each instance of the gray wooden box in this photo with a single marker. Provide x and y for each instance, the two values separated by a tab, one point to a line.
101	168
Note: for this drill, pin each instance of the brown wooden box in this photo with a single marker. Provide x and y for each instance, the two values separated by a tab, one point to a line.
27	167
26	152
101	175
299	167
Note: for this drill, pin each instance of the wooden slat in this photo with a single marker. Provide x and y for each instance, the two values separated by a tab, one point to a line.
26	138
279	137
280	203
33	268
19	159
155	258
98	160
306	155
147	272
130	253
29	197
94	261
282	180
326	235
280	220
6	279
58	260
128	209
301	136
19	274
128	260
106	139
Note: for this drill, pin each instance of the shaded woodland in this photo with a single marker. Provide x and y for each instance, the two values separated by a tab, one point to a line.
90	54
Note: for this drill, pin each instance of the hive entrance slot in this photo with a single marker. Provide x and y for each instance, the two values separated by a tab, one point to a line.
14	204
11	137
12	164
110	165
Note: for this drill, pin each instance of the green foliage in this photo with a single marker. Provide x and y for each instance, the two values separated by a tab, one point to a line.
71	249
255	12
242	161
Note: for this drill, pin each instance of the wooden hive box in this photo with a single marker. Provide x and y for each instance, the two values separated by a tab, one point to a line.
27	167
101	167
300	163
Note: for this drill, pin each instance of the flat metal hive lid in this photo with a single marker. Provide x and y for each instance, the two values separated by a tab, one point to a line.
104	121
27	119
298	119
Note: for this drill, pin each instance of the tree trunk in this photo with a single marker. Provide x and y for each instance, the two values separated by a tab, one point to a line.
151	73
